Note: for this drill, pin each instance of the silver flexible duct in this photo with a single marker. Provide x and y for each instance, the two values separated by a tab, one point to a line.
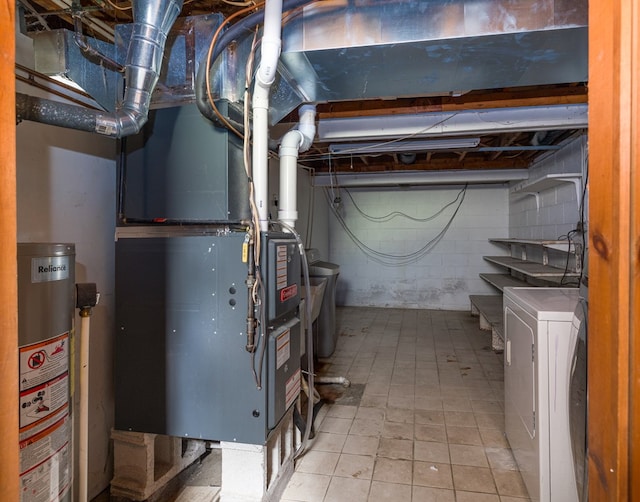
152	21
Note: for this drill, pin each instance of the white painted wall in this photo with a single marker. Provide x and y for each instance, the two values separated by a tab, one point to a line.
446	276
66	184
557	209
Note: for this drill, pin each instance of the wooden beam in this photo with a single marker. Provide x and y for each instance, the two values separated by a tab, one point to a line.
423	162
477	100
614	242
9	407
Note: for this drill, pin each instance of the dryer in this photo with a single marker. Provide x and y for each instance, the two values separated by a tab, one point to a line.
538	356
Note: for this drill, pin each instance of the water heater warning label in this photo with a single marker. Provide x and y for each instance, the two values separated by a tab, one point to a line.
45	430
41	401
43	361
45	464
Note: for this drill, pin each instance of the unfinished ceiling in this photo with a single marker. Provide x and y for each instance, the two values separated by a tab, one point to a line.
507	78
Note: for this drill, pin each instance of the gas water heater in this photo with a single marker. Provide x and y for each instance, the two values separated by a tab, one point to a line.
45	330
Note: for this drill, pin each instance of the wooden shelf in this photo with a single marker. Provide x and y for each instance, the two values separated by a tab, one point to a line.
502	281
530	268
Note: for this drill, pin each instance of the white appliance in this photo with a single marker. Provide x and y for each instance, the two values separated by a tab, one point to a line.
539	349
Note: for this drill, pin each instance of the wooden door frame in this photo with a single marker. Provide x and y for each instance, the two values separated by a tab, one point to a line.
614	253
614	259
9	402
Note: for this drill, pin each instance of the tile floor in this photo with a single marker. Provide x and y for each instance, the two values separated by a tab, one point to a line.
429	424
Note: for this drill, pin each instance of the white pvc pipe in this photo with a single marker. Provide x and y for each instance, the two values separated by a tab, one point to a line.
333	380
84	409
287	204
265	75
260	162
295	141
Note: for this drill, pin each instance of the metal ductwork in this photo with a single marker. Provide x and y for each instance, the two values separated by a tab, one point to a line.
341	50
337	50
152	21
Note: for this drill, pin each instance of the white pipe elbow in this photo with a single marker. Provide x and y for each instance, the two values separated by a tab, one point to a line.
270	54
307	126
291	143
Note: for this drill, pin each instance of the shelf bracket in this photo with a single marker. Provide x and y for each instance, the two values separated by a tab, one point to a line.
576	183
535	194
549	181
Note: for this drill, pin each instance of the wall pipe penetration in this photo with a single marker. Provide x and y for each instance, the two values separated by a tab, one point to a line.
152	21
293	142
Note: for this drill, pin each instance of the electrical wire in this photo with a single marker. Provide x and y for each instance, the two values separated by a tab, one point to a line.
247	153
404	259
262	338
214	39
118	7
239	4
583	199
311	203
393	214
258	293
582	227
309	345
570	241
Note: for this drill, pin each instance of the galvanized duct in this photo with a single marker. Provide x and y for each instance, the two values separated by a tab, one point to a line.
152	21
341	51
236	32
337	50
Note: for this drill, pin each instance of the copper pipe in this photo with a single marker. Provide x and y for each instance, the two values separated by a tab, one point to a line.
33	83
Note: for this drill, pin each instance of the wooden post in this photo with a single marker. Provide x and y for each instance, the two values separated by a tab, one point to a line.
614	261
9	404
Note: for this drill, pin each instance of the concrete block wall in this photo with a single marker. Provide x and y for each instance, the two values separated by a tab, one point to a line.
558	211
443	278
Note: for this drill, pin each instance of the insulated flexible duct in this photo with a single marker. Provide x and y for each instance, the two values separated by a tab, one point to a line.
237	30
152	21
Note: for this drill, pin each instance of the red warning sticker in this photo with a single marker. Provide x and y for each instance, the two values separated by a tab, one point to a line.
288	292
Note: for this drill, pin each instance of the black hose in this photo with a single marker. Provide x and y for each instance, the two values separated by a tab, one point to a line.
238	29
55	113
